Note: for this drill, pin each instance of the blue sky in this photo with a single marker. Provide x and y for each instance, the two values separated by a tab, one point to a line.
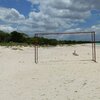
93	19
23	6
32	16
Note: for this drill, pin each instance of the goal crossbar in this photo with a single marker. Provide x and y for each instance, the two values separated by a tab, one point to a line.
93	42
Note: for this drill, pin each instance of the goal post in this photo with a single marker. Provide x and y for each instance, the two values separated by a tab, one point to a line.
93	42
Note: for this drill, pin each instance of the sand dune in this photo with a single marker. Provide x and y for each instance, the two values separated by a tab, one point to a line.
59	75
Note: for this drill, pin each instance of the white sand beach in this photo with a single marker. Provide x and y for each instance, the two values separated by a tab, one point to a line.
59	75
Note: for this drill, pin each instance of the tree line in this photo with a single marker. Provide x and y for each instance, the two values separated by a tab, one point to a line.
18	37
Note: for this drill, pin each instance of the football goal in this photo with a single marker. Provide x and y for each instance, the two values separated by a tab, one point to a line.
92	41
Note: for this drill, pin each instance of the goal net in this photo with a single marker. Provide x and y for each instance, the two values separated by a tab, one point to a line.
63	47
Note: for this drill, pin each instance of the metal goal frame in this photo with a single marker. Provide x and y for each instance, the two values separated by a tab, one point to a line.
93	42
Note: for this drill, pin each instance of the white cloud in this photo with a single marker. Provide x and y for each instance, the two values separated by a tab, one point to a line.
67	8
7	28
56	15
62	15
10	15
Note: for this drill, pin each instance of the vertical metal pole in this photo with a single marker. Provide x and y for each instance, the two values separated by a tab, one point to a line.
94	47
35	53
36	49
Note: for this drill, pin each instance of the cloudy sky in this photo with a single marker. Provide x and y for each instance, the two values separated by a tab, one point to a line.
32	16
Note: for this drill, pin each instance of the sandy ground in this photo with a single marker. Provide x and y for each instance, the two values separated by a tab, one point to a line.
59	75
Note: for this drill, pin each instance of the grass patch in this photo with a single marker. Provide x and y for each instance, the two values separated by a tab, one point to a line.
9	44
